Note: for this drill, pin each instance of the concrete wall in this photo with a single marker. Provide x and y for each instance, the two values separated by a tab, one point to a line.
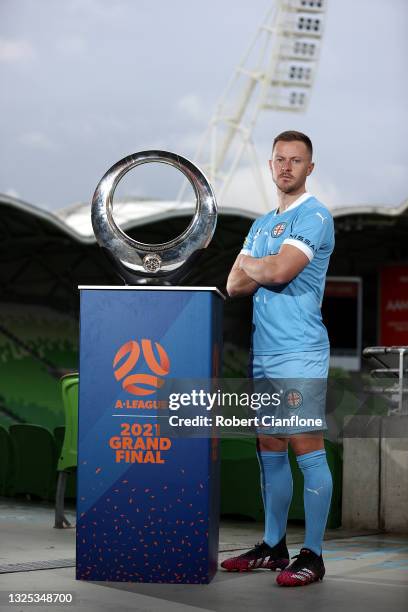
361	471
375	473
394	474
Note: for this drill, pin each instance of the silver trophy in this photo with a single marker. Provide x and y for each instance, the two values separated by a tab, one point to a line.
169	262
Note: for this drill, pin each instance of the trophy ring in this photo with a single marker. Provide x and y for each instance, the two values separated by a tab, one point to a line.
143	263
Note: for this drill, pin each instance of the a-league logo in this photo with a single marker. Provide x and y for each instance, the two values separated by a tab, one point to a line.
127	357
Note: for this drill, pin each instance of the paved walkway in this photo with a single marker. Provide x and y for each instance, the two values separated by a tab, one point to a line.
364	571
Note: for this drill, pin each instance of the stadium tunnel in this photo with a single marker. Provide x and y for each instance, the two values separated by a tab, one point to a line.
43	259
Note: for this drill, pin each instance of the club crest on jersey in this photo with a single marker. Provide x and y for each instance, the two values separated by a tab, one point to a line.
278	230
293	398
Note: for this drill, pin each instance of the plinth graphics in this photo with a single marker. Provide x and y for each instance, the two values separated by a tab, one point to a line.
148	504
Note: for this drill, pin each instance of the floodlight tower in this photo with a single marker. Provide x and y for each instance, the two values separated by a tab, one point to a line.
277	72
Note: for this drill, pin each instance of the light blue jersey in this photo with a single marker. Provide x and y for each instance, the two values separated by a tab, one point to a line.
287	318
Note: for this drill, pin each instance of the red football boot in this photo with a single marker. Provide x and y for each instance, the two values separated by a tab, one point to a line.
307	568
261	556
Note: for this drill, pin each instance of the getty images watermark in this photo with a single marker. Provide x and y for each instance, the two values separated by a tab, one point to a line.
343	406
278	411
207	400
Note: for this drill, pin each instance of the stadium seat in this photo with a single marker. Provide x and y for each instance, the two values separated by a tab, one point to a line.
35	460
67	462
59	433
5	461
70	490
240	481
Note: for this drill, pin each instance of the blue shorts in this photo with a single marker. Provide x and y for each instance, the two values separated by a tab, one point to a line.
299	381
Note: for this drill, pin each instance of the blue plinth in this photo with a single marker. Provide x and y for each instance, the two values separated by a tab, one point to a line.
147	503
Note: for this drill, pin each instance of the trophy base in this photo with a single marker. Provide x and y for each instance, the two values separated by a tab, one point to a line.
169	279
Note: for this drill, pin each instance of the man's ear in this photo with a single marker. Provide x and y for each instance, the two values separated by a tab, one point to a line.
310	168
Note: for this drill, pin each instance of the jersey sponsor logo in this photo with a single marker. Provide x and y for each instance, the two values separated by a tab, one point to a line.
278	230
303	239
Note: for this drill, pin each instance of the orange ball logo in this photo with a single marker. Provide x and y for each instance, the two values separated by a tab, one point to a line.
129	354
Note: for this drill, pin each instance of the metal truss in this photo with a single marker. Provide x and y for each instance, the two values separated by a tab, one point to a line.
276	73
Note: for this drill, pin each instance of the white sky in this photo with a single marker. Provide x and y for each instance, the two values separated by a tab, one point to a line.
86	82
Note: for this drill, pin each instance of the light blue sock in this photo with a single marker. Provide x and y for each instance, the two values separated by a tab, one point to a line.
317	496
277	488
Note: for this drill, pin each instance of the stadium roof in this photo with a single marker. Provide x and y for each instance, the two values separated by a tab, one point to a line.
75	220
133	213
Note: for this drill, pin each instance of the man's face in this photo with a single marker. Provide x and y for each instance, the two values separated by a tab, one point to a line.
290	165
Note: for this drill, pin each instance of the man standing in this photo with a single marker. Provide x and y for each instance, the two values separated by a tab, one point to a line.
283	263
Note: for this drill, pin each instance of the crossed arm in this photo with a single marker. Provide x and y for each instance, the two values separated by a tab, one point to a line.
249	272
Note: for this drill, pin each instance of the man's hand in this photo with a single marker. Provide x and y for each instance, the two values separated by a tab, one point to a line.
274	269
239	283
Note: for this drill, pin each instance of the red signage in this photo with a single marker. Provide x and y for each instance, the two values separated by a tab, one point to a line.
341	289
394	306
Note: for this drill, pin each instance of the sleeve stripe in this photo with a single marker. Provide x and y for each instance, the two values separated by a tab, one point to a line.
245	252
301	246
